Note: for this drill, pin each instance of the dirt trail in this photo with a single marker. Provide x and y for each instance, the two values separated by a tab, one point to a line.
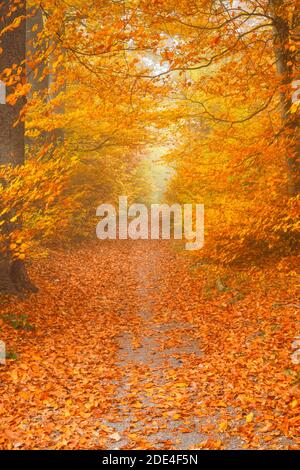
157	404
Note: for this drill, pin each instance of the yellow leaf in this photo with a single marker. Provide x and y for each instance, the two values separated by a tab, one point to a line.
138	405
223	426
14	375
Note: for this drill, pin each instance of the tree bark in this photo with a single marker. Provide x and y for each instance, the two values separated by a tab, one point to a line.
285	30
38	80
58	135
13	275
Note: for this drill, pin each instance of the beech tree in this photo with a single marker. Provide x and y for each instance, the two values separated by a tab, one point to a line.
211	81
13	275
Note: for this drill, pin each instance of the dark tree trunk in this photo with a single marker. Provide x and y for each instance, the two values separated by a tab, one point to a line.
13	45
13	276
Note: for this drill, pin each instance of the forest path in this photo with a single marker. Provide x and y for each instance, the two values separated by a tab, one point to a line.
152	401
122	348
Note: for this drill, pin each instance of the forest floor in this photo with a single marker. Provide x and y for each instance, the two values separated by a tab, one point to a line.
129	345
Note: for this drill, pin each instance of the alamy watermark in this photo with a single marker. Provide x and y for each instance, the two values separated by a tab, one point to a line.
135	222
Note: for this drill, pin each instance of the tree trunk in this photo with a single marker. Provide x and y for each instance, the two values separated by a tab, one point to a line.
58	135
13	276
286	30
38	80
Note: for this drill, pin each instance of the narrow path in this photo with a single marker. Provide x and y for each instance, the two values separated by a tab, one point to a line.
157	405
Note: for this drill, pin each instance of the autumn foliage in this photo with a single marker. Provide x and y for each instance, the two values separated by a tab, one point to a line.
97	94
